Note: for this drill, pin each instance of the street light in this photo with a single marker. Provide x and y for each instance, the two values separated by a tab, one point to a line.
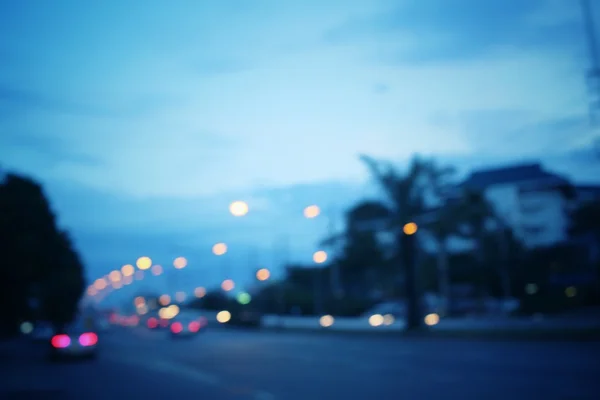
219	249
320	257
312	211
238	208
410	228
144	263
127	270
180	262
263	274
227	285
157	270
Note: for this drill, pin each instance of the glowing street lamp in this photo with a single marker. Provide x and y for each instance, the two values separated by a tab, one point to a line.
263	274
219	249
180	262
312	211
238	208
144	263
410	228
320	257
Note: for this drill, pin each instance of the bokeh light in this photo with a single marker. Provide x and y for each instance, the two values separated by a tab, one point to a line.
388	319
326	321
223	316
92	291
117	285
376	320
139	275
219	249
432	319
410	228
114	276
164	300
127	280
169	312
100	284
144	263
320	257
127	270
263	274
571	291
312	211
180	262
156	270
139	301
199	292
227	285
244	298
238	208
180	297
26	328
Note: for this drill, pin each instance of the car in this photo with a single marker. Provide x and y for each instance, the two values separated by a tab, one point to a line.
187	327
77	340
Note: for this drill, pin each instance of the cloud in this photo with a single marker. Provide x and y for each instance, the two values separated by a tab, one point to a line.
431	31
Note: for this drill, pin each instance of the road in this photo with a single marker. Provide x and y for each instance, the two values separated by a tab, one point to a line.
224	364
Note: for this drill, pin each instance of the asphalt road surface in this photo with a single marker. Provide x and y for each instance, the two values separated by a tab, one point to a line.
223	364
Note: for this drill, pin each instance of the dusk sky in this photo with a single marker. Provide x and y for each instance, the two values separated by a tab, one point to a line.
144	119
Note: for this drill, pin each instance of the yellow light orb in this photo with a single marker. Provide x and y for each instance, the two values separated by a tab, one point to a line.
164	300
139	301
320	257
410	228
227	285
326	321
238	208
219	249
223	316
100	284
263	274
432	319
127	270
199	292
376	320
180	262
144	263
312	211
156	270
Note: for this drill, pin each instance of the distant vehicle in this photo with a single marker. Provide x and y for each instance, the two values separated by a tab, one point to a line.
77	340
187	327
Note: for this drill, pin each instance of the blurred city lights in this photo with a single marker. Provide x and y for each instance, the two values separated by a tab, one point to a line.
92	291
168	312
263	274
244	298
139	301
127	280
312	211
117	285
100	284
227	285
114	276
238	208
199	292
326	321
180	297
410	228
164	300
180	262
144	263
142	310
432	319
127	270
376	320
223	316
139	275
388	319
219	249
571	291
26	328
156	270
320	257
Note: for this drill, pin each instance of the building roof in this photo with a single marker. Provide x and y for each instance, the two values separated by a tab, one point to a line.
512	174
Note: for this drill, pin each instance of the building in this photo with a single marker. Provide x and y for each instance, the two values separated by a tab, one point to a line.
534	202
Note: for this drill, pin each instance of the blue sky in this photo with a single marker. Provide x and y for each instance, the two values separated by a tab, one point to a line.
144	119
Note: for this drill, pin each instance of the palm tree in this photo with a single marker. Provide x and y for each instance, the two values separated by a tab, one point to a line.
405	196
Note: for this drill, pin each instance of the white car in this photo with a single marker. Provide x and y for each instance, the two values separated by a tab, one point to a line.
78	340
186	327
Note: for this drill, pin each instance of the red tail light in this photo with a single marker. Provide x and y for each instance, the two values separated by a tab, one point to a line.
176	327
194	326
60	341
152	323
88	339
